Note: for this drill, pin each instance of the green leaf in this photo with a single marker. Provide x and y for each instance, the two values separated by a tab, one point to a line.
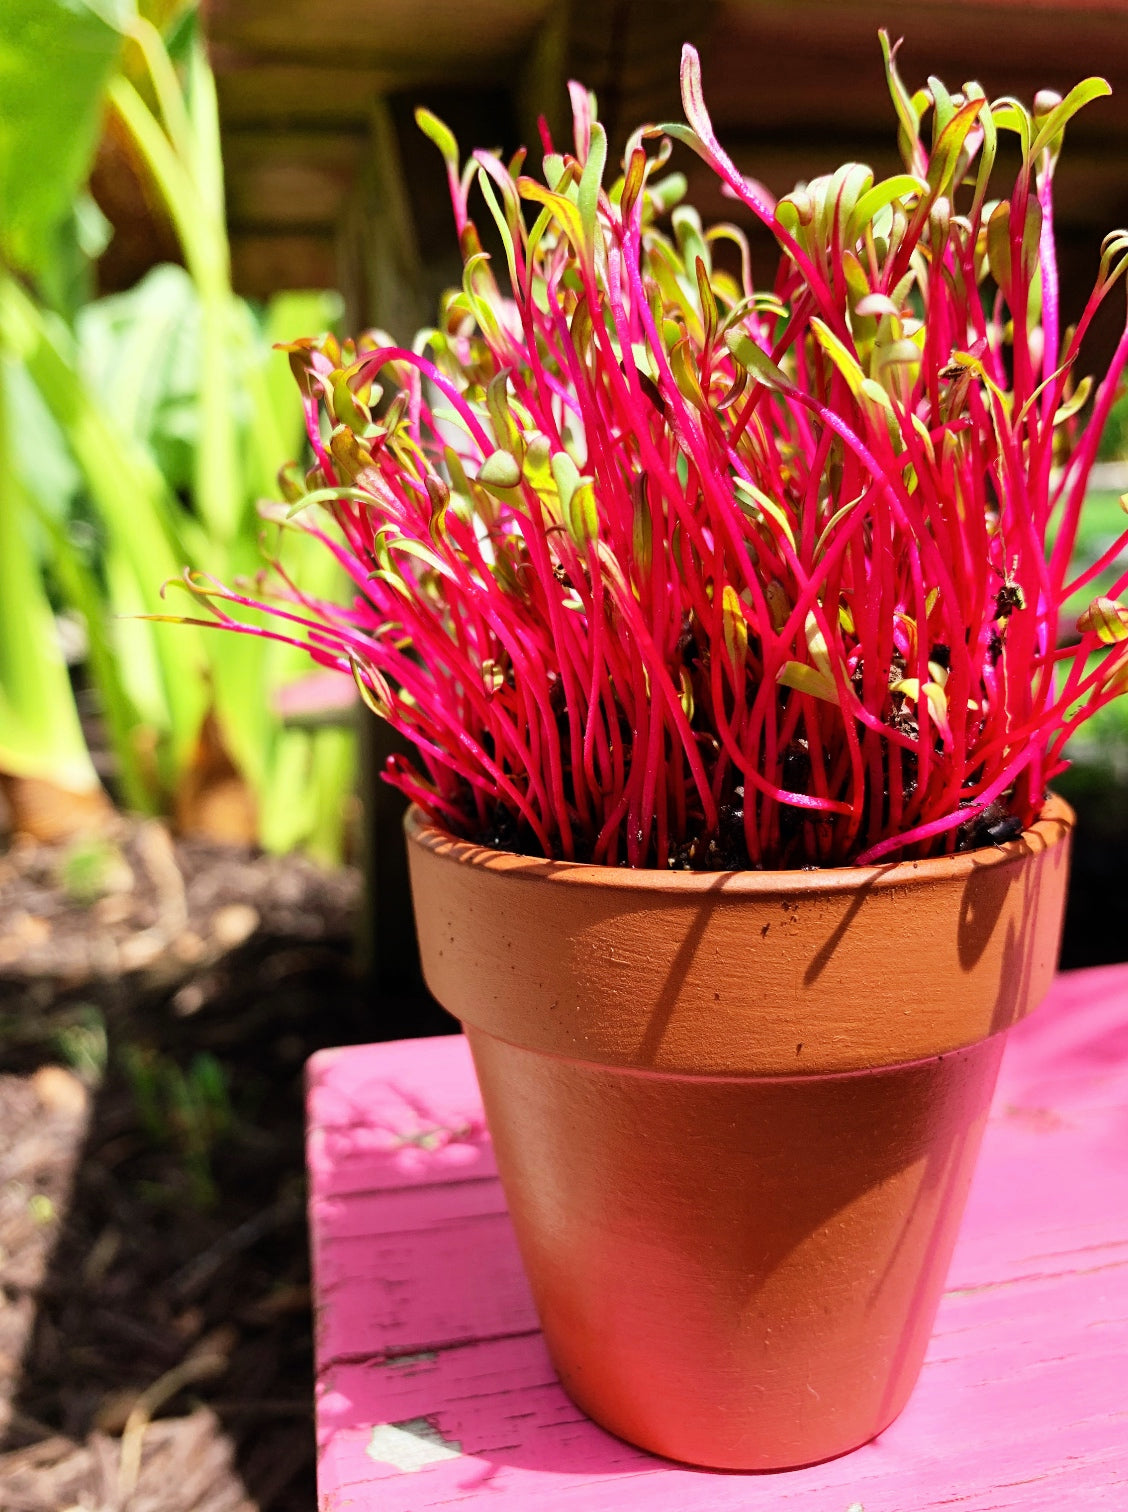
1106	619
505	429
1000	254
945	155
419	551
903	103
202	150
870	389
79	586
790	213
553	169
566	476
902	353
1055	123
591	181
900	186
848	185
987	152
807	679
687	137
751	355
690	238
187	192
503	228
1077	401
353	459
632	182
38	450
844	360
999	247
138	514
935	701
304	795
499	471
816	643
290	770
139	351
1012	115
667	192
735	627
943	106
838	516
40	735
581	515
537	466
566	214
439	133
330	784
55	59
642	526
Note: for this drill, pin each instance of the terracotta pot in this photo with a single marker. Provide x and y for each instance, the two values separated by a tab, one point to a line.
736	1116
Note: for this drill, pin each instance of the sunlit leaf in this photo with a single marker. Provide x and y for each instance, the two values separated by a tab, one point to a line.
1106	619
55	59
807	679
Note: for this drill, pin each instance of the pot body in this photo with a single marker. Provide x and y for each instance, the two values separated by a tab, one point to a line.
736	1117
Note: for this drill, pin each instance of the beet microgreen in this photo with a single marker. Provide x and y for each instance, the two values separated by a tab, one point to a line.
658	564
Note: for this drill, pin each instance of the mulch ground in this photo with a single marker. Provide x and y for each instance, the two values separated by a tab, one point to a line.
157	1002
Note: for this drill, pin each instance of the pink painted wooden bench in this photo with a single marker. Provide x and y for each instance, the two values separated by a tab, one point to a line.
434	1388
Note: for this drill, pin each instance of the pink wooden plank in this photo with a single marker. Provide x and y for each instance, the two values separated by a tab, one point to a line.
470	1287
395	1115
434	1388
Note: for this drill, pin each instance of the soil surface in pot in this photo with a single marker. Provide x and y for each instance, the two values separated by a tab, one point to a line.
155	1334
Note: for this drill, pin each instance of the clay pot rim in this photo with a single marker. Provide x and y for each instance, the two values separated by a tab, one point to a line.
1048	830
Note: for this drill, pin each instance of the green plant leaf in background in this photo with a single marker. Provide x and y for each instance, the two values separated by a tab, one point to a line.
230	404
134	507
299	776
181	155
147	426
40	734
140	352
56	57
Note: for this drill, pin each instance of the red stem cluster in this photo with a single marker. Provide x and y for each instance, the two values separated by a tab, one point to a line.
655	566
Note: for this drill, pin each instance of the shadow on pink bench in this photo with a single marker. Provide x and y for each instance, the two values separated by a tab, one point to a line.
435	1390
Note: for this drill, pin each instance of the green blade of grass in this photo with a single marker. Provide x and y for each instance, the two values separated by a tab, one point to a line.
80	587
129	495
40	733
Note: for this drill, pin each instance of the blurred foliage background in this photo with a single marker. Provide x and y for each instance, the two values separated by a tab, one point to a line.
138	431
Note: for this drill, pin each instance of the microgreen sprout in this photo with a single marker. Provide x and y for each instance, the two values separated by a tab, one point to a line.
660	565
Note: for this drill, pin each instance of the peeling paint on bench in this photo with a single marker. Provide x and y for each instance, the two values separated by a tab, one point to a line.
435	1390
410	1445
